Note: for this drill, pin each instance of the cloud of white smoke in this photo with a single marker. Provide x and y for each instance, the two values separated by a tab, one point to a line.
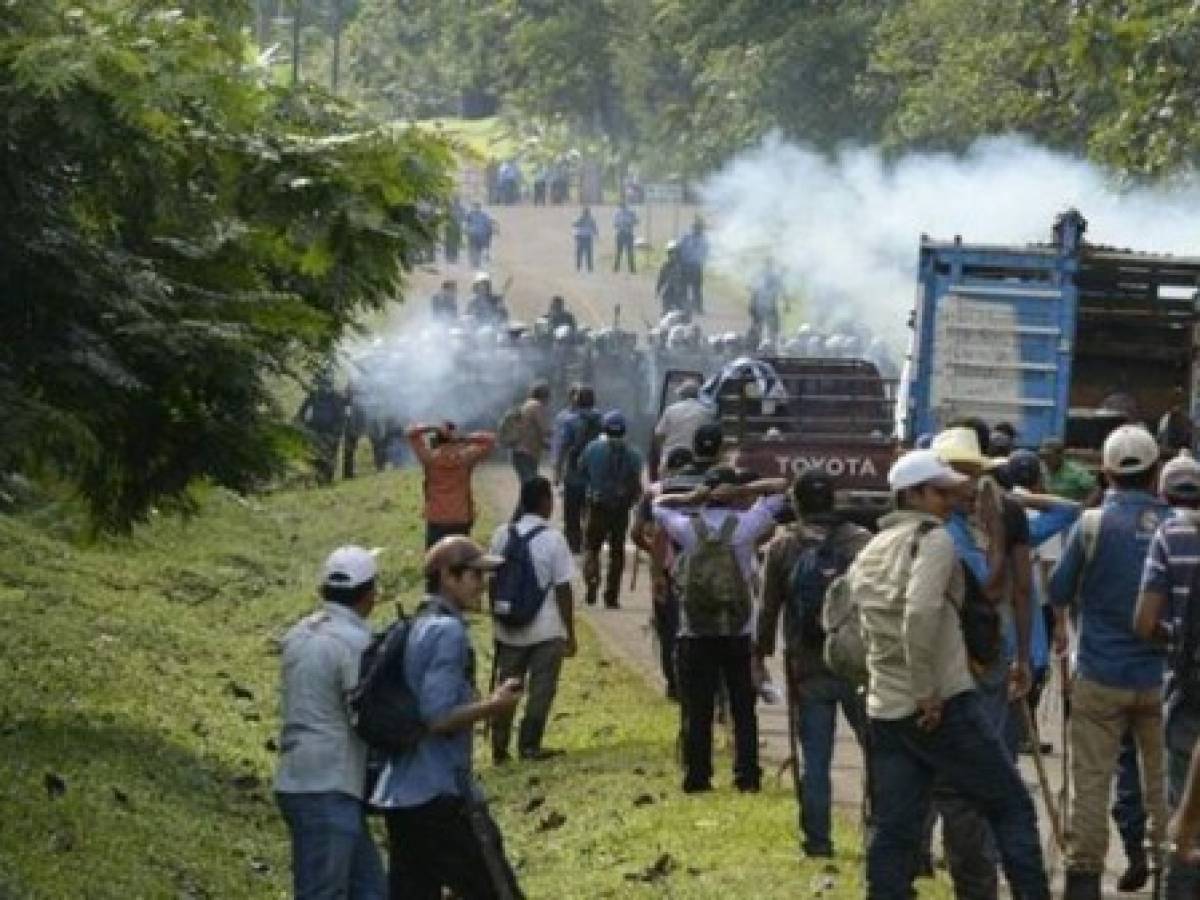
847	231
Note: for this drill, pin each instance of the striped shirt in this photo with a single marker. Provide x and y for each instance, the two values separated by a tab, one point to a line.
1170	566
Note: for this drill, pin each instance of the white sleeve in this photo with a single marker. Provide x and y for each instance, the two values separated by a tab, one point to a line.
562	563
664	423
499	539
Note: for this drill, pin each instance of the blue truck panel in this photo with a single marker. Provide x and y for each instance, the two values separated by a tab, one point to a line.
993	332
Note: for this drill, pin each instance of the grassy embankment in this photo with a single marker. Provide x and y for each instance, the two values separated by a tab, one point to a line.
138	723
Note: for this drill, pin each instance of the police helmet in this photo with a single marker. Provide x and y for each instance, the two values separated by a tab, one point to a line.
613	423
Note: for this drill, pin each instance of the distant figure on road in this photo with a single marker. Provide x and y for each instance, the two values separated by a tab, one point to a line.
454	231
671	288
323	415
612	471
539	186
486	307
625	221
558	315
765	294
586	231
693	250
508	182
444	304
479	227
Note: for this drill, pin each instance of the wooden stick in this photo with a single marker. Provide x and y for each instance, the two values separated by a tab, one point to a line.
1035	741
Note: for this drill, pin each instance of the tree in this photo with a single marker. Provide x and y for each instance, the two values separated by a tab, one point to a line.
177	232
951	71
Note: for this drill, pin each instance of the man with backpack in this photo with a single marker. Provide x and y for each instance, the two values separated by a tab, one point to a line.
575	428
612	473
526	430
440	834
800	565
1168	614
1118	675
715	539
925	718
534	616
322	762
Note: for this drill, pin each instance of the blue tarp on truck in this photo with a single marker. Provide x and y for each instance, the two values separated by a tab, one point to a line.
1063	340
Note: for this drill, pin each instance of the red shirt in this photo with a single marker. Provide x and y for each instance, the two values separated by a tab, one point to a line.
448	475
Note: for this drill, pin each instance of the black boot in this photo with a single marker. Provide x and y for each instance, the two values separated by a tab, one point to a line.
1137	872
1082	886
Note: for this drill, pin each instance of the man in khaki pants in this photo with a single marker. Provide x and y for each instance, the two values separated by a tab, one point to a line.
1118	675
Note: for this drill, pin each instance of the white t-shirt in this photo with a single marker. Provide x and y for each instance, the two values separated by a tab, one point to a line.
679	423
554	564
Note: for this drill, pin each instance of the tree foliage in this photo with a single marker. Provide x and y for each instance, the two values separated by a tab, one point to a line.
177	231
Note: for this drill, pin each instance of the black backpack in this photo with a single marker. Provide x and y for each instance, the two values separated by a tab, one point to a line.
819	563
587	429
980	621
384	711
516	595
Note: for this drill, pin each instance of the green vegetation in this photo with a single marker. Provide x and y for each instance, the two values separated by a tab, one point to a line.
139	718
177	231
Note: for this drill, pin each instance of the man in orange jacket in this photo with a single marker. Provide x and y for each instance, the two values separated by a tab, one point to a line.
448	460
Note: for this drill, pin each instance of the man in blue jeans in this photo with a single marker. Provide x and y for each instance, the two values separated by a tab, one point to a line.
925	717
322	762
819	538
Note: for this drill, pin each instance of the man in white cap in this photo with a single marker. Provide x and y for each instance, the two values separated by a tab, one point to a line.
1166	610
1118	675
322	762
925	719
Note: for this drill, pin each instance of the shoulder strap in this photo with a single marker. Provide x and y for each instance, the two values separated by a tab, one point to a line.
700	527
728	527
1089	530
532	533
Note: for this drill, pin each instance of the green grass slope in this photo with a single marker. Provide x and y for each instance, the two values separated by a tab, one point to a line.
138	724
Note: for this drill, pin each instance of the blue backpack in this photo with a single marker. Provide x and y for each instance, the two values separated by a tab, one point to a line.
516	595
819	563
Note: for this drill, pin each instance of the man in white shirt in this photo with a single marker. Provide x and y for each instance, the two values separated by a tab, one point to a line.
538	649
679	423
322	762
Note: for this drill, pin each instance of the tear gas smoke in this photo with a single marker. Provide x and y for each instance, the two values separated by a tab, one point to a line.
426	370
847	231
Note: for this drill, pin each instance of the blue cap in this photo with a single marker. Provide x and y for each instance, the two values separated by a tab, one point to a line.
613	422
1024	468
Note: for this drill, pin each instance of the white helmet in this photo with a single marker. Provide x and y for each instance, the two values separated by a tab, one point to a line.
481	278
671	319
677	337
562	333
672	246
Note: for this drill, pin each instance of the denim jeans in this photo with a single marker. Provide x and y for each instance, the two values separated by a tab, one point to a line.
1181	733
333	855
966	751
819	698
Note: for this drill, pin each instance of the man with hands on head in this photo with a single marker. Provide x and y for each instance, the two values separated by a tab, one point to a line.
448	460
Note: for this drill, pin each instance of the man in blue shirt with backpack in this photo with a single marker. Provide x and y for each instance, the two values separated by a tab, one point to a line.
612	473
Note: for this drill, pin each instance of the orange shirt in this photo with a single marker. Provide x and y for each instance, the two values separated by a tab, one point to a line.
448	475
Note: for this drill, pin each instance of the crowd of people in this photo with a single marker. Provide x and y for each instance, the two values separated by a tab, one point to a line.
995	562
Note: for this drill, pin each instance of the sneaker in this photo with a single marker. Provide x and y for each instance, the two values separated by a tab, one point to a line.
590	596
612	604
697	787
1136	874
748	787
500	759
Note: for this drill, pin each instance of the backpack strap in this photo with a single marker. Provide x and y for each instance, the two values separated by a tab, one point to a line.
700	527
728	527
531	534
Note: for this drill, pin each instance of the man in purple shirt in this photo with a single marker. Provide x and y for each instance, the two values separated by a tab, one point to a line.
708	526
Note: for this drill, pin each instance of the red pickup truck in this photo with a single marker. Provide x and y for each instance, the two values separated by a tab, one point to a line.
833	414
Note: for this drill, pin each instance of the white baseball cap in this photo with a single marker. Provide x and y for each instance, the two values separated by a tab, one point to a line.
1128	450
1180	477
922	467
349	566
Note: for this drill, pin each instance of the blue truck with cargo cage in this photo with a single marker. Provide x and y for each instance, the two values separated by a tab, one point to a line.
1063	340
